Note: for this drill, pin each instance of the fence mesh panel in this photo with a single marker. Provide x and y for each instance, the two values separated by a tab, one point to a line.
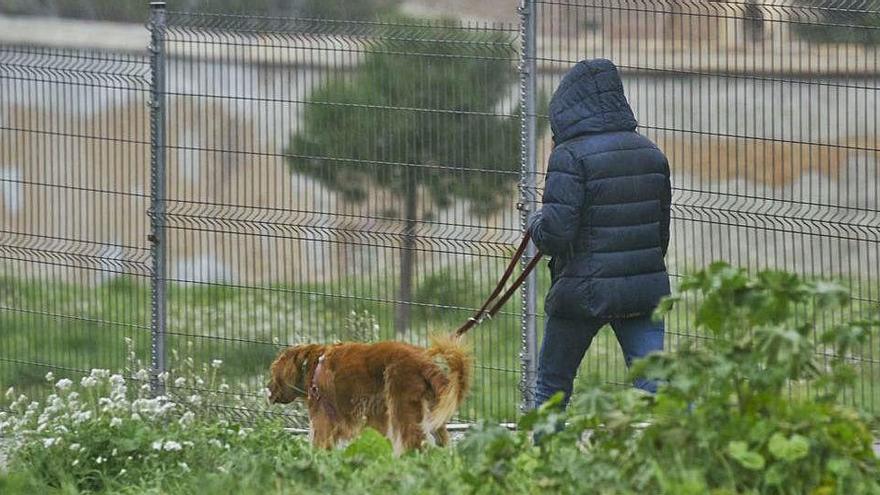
74	190
334	180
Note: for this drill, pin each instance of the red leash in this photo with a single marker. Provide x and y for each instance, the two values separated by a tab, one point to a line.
482	313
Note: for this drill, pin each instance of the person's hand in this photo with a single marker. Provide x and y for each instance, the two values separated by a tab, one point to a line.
533	222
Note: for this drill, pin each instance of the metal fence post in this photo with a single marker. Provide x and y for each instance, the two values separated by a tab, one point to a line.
529	353
157	195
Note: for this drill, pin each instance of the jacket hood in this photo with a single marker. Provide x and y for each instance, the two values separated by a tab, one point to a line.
589	100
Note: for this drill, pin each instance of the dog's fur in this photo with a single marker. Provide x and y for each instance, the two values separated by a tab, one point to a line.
398	389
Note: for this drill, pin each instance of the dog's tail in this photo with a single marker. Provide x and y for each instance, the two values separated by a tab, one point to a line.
451	387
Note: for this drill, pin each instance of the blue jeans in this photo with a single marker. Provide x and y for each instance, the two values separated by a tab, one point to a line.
566	342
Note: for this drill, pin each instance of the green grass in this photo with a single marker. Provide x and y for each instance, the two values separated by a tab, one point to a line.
724	422
51	325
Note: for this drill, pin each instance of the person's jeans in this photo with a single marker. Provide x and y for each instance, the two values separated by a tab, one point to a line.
566	342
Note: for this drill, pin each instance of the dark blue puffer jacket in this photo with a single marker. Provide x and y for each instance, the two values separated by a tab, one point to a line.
606	203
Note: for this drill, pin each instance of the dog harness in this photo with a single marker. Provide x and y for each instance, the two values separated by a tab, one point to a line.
315	393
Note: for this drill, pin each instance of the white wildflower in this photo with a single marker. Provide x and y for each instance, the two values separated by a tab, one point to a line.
100	374
122	471
75	462
115	422
222	469
113	453
187	418
50	377
215	443
195	399
145	387
81	416
117	380
187	443
75	447
183	466
49	442
179	382
135	417
157	445
199	381
99	460
216	363
88	382
172	446
164	376
10	393
142	375
224	387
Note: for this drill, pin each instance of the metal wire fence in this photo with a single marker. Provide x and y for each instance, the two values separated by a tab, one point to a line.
308	180
333	180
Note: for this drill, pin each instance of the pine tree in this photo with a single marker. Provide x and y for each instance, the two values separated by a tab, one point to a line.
420	119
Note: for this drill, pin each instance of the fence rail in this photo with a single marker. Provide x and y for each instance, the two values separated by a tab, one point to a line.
249	182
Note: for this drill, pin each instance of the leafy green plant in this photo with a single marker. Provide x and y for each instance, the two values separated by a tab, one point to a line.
361	326
725	418
107	430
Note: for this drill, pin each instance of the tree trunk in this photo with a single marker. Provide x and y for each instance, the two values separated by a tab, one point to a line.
407	257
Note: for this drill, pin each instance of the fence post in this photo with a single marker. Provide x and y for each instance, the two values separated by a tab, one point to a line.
157	195
528	164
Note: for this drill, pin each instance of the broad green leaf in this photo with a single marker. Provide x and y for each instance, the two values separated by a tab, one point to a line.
775	475
748	459
370	445
788	449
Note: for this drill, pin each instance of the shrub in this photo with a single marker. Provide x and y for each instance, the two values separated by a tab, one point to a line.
728	418
106	431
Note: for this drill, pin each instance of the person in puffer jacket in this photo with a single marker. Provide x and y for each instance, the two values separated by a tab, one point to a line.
604	223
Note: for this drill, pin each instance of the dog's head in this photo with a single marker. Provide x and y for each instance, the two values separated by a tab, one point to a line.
289	371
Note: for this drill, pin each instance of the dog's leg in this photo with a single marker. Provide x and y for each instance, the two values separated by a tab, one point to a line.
441	436
427	433
320	430
376	415
406	409
405	425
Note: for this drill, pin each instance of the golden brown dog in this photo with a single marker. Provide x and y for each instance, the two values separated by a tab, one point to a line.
401	390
